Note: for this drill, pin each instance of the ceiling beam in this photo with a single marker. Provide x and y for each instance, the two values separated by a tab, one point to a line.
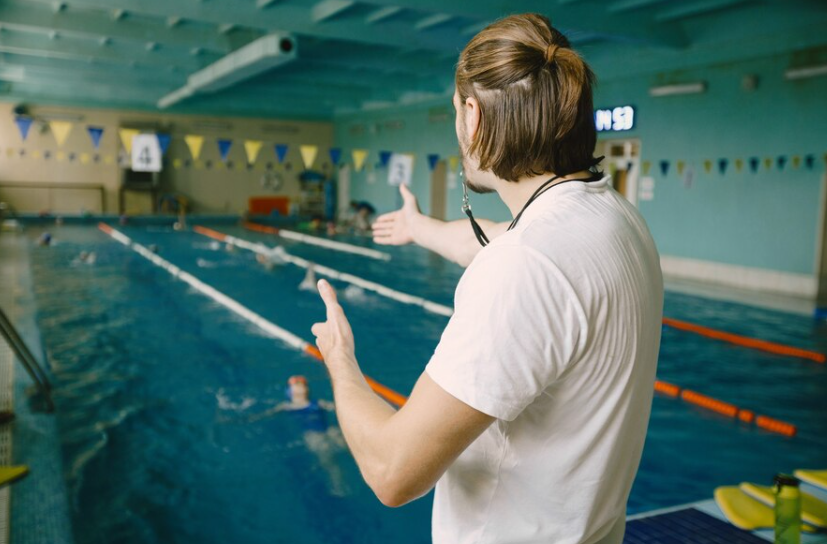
630	5
432	21
693	9
288	17
328	9
381	14
83	49
31	16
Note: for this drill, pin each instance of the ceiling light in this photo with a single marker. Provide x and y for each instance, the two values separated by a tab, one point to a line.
681	88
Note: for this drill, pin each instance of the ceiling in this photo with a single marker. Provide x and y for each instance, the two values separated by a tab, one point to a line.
353	55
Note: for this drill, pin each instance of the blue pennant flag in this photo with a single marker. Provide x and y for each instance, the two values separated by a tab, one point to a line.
722	164
23	125
664	167
281	152
95	133
433	159
810	161
224	148
781	161
754	163
335	155
384	157
163	142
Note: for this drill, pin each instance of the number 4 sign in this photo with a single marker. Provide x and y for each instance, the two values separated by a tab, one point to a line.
400	169
146	153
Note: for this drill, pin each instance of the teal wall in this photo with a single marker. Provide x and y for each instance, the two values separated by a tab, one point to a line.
765	220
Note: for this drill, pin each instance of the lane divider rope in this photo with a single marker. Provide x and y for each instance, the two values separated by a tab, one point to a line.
693	397
744	341
316	241
726	409
387	292
267	326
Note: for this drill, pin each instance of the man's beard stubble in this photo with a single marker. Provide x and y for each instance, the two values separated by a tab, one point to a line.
463	145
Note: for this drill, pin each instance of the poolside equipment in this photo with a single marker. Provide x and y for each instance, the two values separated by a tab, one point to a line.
817	478
12	474
726	409
271	328
762	345
745	512
813	510
787	510
30	364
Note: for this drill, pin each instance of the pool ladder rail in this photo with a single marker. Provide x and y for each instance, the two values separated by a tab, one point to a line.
35	371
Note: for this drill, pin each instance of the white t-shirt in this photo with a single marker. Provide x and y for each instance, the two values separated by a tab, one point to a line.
555	333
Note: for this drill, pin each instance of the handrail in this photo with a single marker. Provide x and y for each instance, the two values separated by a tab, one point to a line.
37	374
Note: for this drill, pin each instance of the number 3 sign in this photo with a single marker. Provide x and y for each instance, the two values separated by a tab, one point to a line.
146	153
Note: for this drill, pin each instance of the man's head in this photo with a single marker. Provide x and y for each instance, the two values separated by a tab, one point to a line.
524	103
298	389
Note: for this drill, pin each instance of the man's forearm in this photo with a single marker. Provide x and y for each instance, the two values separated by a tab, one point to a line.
453	240
362	416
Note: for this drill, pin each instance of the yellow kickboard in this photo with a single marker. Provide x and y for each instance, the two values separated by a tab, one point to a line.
745	512
817	478
813	511
9	475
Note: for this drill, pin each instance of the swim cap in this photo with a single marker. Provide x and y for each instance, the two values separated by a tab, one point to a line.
297	379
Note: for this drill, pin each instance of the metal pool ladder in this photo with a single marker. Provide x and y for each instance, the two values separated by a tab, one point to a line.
28	361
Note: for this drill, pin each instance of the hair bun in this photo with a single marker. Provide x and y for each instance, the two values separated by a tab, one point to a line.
550	51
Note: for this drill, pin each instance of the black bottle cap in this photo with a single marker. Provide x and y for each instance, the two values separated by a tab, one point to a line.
786	480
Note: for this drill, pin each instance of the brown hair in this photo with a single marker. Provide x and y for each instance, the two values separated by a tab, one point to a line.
535	96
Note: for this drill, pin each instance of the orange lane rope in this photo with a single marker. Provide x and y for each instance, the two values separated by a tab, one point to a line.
763	345
726	409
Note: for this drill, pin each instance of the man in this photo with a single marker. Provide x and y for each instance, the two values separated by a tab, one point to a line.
530	417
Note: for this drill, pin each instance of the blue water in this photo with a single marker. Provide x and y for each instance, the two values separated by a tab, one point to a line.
160	392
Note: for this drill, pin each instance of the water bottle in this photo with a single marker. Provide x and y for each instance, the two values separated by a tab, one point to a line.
787	510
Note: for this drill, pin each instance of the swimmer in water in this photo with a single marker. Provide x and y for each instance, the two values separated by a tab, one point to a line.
309	281
271	257
230	248
45	239
86	257
322	439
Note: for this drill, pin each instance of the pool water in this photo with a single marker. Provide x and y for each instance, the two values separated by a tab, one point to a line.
163	394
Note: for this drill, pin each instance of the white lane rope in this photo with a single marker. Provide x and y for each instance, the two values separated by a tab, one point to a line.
380	289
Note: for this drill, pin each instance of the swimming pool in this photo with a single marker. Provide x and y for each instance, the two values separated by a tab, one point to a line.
159	388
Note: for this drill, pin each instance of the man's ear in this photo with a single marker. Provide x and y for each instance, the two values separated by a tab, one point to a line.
473	116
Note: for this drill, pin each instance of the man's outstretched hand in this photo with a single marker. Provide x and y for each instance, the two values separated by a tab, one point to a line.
396	228
334	337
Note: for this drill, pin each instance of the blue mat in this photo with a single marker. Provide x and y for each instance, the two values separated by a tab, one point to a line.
688	526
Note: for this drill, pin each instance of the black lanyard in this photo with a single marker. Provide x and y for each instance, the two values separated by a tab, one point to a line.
478	232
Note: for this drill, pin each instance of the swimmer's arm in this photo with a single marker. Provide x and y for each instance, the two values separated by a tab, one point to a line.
402	454
329	406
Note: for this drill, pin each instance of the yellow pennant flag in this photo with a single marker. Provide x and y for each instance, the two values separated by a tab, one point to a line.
707	166
109	159
126	135
35	154
453	163
308	155
739	164
61	156
10	152
252	147
60	130
646	166
767	162
359	156
681	165
194	143
796	161
177	163
85	158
